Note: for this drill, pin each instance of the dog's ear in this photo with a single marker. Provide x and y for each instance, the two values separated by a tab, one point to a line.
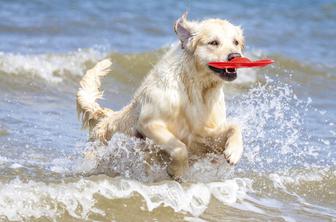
183	30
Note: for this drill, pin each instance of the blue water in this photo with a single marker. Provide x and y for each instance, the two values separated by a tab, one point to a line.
287	110
297	29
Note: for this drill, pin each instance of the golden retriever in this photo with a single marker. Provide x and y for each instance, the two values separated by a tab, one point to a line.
180	105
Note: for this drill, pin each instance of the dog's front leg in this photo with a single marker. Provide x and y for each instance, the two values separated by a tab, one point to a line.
233	147
170	145
227	141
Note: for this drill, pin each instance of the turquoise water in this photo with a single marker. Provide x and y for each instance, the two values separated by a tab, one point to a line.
287	111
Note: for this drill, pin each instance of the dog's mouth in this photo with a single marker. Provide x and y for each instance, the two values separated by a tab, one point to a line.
228	74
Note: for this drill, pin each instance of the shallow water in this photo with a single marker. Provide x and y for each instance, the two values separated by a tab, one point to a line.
287	111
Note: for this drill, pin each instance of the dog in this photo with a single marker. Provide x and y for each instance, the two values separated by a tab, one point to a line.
180	104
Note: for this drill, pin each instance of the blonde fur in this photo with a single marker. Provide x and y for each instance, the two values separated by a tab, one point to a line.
180	104
88	93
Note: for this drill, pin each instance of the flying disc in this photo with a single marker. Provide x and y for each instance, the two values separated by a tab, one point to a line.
240	62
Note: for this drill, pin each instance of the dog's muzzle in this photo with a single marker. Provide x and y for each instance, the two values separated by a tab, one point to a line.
229	74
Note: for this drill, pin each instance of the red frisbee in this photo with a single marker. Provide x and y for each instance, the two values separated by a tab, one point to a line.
240	62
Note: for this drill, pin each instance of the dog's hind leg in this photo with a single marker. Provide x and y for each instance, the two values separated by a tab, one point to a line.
122	121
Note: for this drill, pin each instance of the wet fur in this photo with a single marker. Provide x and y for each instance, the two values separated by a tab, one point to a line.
180	104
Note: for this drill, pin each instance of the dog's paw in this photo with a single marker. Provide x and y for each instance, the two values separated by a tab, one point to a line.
233	152
175	177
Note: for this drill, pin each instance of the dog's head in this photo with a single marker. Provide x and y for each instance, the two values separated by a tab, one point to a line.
210	40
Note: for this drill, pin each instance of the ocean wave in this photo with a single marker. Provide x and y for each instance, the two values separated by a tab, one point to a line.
50	67
130	68
94	197
301	71
56	67
315	183
21	200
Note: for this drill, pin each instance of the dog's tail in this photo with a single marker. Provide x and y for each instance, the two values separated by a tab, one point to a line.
88	109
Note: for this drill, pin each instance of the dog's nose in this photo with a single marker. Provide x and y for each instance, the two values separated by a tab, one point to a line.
233	55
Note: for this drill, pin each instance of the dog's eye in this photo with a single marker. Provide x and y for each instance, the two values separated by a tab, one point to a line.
235	42
214	43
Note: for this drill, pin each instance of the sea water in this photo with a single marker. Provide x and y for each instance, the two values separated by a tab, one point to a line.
287	112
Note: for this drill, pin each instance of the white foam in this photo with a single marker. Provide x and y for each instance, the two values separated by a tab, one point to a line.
3	160
16	166
296	178
50	67
194	219
20	200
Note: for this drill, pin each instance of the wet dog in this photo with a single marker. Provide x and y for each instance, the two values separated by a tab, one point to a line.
180	105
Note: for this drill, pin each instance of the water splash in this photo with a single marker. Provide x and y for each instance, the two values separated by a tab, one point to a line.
272	117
